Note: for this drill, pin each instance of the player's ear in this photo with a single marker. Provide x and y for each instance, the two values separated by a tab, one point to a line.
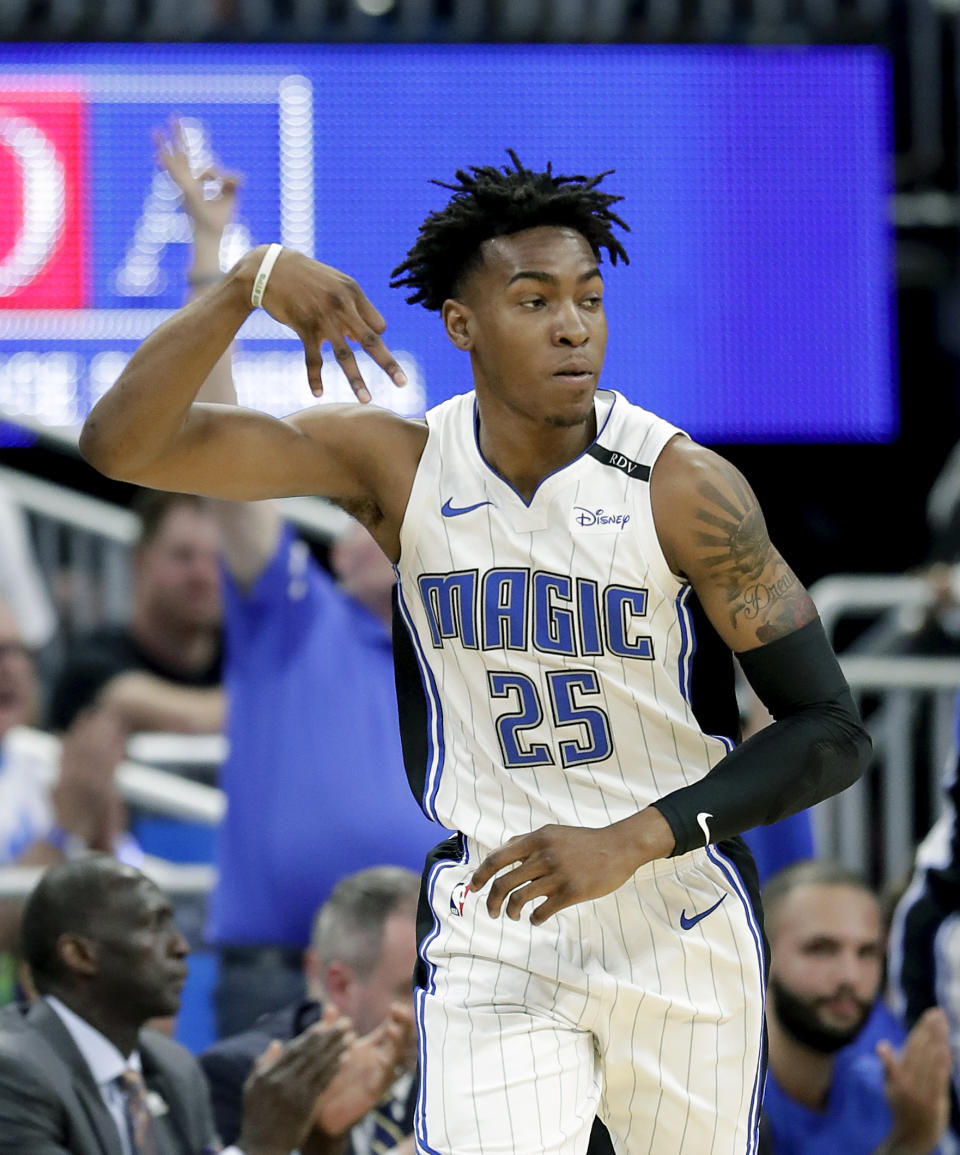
457	320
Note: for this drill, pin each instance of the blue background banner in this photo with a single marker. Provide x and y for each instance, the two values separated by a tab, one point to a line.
758	304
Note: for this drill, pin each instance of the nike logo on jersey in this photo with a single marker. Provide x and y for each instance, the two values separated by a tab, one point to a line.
687	923
448	509
702	823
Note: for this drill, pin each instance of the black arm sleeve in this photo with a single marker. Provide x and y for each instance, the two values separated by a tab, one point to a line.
816	746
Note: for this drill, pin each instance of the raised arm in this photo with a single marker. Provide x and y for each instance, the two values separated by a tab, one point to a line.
249	530
147	429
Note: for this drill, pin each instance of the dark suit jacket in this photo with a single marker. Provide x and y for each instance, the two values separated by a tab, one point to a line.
50	1104
227	1064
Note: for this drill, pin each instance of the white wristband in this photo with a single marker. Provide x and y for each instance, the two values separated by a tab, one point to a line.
263	274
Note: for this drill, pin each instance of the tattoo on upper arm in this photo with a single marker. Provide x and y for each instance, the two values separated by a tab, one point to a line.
737	552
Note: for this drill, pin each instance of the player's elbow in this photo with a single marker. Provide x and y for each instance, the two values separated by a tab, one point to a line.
110	452
101	450
839	760
853	754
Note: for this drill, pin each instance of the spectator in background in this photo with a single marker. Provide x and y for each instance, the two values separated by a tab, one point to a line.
360	962
78	1068
161	671
924	951
823	1092
48	814
314	777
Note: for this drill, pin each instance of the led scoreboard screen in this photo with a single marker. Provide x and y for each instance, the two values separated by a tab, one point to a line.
757	305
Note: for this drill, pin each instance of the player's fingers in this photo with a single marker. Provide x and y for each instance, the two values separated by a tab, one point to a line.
348	363
511	851
550	906
314	361
521	895
369	340
506	884
369	313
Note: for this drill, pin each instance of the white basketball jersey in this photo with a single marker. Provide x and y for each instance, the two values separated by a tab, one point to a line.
553	643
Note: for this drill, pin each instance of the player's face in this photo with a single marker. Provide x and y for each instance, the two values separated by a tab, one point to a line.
177	570
826	963
532	319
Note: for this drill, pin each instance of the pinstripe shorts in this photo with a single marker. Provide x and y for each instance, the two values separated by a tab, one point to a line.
645	1007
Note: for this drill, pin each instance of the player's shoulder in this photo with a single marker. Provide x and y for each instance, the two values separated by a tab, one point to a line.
685	467
694	490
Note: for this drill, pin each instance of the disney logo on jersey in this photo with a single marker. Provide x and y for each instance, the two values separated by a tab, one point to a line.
598	520
458	898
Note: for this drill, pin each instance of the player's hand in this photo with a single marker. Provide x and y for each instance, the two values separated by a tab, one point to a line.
209	196
280	1095
568	864
918	1085
322	304
368	1069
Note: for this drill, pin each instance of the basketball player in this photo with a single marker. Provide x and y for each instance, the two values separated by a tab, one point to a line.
561	556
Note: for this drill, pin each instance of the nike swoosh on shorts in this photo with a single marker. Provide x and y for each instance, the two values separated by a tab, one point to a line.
687	923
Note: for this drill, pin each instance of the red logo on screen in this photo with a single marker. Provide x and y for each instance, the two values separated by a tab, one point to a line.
42	206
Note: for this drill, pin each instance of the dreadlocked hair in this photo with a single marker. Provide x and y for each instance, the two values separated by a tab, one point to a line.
493	202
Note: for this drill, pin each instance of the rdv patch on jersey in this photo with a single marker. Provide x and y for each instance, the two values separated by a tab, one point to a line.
598	520
458	898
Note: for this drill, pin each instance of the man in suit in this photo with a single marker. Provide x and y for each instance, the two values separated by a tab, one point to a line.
79	1072
360	962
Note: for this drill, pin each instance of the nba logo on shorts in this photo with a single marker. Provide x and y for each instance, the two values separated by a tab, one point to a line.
459	896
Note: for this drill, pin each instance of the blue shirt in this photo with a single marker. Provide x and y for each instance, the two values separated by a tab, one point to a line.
857	1119
314	778
781	844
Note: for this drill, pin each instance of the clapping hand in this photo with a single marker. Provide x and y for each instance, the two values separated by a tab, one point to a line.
369	1067
918	1085
280	1095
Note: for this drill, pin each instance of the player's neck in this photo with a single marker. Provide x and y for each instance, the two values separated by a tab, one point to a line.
524	454
803	1074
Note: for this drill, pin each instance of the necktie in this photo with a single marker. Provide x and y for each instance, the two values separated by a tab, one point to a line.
386	1133
143	1140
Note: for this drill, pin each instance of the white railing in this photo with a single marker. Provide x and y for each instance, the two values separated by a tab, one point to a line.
176	879
144	787
91	539
875	824
858	595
